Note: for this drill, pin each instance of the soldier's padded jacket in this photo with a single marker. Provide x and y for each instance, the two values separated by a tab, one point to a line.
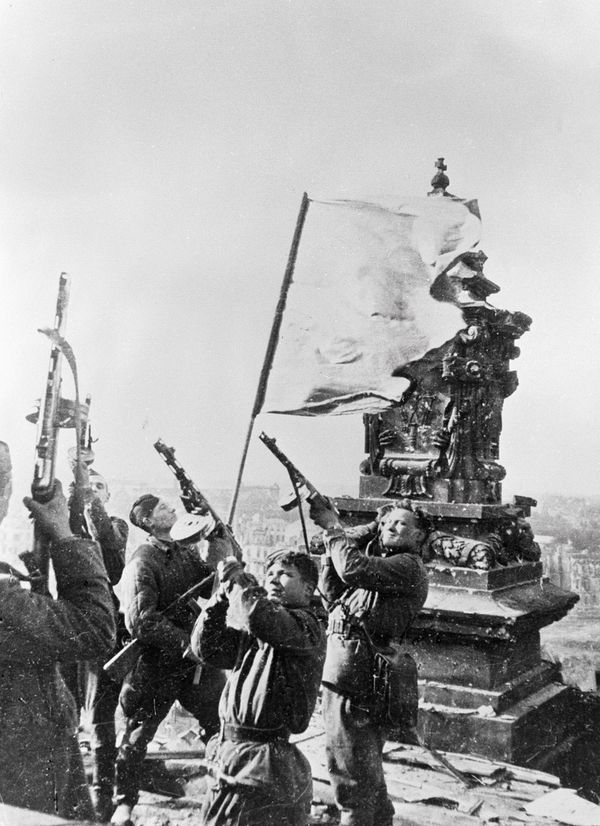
154	577
40	762
275	665
385	592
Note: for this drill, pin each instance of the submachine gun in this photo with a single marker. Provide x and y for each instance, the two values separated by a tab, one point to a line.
191	529
54	413
303	489
195	503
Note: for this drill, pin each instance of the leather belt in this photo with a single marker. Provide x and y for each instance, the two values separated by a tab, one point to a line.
241	734
354	632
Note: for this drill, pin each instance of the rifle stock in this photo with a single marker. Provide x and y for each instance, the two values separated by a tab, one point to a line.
124	660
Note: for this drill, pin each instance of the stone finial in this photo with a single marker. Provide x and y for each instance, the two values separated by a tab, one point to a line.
440	180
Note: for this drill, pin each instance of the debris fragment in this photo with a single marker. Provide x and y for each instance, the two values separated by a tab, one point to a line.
566	806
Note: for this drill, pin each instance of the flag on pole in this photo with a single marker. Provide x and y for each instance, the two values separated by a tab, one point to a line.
359	304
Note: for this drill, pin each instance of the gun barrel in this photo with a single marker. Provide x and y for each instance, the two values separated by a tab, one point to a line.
291	468
47	435
303	488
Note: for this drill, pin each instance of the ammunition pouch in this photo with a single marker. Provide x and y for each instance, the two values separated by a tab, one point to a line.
382	674
348	665
395	687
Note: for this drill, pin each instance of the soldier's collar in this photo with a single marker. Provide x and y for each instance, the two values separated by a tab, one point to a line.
163	544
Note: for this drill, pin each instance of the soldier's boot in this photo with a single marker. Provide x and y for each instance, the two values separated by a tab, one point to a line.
384	810
103	782
102	798
128	771
381	815
356	817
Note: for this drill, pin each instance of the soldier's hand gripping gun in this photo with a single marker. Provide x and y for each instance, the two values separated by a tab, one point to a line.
193	499
303	489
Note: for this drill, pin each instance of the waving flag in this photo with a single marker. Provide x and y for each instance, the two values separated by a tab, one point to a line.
359	304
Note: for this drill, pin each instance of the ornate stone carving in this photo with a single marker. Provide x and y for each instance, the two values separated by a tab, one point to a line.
440	444
442	441
460	551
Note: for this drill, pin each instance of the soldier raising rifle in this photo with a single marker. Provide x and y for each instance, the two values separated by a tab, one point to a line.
40	762
160	571
373	593
275	653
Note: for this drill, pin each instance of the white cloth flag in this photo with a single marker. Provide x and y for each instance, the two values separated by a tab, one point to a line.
359	304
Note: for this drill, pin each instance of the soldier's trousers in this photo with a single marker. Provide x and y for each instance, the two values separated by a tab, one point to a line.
354	750
146	698
98	695
274	785
101	700
247	807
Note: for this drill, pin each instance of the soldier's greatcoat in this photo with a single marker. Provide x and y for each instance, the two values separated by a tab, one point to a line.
40	762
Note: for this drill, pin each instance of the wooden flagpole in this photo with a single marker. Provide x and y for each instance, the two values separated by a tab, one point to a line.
271	347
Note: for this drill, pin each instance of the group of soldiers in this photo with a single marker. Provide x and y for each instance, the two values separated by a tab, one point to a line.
249	666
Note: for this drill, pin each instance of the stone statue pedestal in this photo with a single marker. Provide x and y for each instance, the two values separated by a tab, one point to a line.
483	685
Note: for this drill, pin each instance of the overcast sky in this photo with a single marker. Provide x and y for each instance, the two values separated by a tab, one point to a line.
157	151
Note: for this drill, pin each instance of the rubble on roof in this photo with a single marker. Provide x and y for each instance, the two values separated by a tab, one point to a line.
424	792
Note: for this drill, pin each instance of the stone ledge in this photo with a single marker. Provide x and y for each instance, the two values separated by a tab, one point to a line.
500	699
501	613
522	734
441	573
448	510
